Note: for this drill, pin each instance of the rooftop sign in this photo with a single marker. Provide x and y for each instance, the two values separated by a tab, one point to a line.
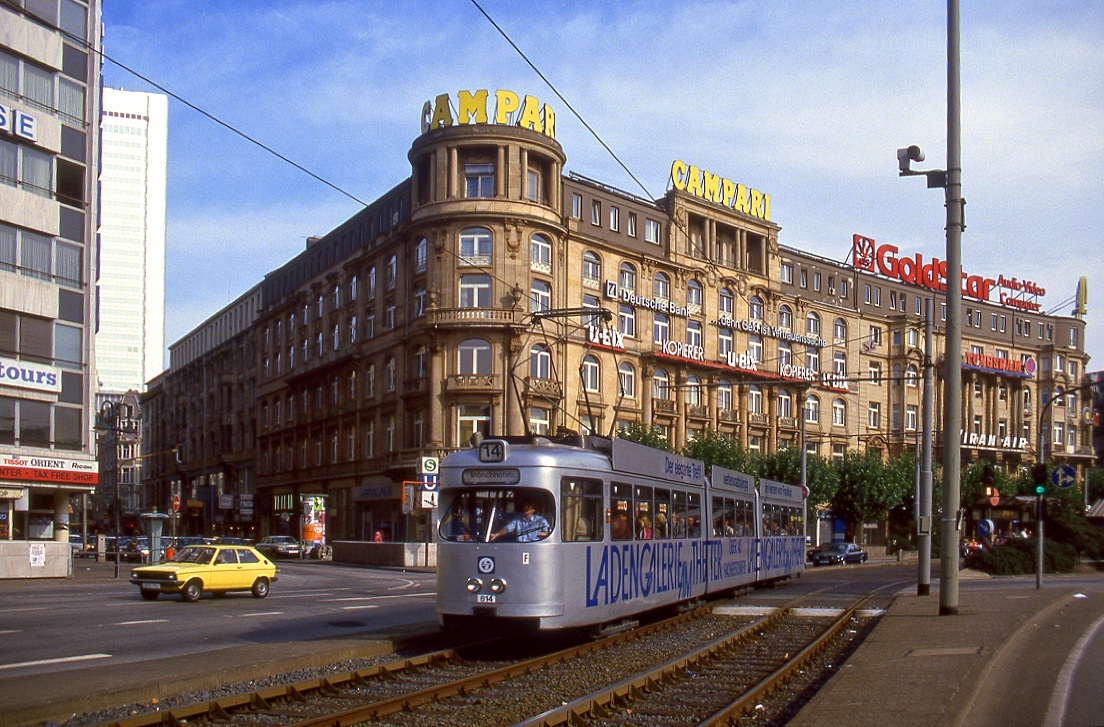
718	190
473	107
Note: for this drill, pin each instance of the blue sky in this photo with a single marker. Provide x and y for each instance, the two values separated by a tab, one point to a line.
805	100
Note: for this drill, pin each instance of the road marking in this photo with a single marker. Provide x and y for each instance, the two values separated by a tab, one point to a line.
365	607
260	613
11	631
376	598
23	610
147	621
1059	698
63	660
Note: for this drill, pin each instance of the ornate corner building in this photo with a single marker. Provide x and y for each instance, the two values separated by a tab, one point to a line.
492	292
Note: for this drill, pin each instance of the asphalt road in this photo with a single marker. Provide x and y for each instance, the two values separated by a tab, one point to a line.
49	627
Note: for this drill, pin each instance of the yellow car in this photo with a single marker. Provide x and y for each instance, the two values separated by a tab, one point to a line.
216	569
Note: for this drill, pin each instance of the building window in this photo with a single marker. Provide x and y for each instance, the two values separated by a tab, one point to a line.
392	272
693	391
540	297
478	180
785	353
592	268
812	324
626	277
540	362
661	286
596	213
591	373
614	218
630	228
533	186
725	303
576	205
755	348
475	291
875	373
694	334
626	320
651	231
420	258
812	358
755	308
874	415
839	413
540	253
539	420
785	404
724	396
419	300
694	296
476	245
661	328
816	281
911	415
389	375
786	274
755	399
785	318
474	357
812	409
839	331
724	342
626	380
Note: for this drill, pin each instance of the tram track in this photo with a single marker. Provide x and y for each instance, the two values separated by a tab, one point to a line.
470	685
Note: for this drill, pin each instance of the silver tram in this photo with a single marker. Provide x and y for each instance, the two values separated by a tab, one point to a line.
581	531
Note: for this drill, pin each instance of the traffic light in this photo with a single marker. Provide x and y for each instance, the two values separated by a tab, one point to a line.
1039	477
988	479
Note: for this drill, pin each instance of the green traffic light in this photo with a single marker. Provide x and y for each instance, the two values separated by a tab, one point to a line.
1040	489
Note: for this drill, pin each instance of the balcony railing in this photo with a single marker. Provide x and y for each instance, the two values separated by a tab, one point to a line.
543	387
467	315
663	406
461	383
761	420
698	412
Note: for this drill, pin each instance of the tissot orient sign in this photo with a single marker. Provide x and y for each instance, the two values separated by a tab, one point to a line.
932	274
58	470
480	107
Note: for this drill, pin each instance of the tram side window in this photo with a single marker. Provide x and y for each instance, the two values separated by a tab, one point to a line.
693	515
661	528
678	525
642	522
744	523
723	517
581	504
621	512
793	524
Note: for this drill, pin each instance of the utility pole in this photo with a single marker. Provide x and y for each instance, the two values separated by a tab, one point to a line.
924	529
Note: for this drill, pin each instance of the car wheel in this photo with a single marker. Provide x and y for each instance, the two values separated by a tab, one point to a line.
192	591
260	588
150	595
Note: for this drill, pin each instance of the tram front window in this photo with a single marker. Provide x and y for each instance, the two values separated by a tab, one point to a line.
516	514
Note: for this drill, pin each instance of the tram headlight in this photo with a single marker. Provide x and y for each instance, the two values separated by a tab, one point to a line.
498	585
474	585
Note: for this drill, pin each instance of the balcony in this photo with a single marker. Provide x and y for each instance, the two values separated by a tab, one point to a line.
759	420
663	406
547	388
787	422
453	316
472	383
728	415
698	412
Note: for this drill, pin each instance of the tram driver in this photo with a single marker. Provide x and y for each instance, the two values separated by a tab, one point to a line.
528	528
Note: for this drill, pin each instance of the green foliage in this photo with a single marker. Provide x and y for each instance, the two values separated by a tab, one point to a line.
1096	484
641	434
1018	556
868	489
1065	524
716	449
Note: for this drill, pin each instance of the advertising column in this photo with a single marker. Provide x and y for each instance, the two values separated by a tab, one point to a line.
314	523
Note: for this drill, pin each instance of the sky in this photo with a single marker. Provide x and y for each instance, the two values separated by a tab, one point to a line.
807	101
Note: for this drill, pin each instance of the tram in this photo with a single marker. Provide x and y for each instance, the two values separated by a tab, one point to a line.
584	531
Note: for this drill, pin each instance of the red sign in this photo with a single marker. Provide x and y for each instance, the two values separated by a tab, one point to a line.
34	474
932	274
994	363
176	503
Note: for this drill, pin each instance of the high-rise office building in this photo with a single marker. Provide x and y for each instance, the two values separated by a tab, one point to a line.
49	109
130	335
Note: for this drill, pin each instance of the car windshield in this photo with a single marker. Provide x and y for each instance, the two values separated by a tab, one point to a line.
194	554
476	515
839	547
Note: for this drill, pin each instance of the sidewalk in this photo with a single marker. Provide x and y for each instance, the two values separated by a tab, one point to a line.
920	668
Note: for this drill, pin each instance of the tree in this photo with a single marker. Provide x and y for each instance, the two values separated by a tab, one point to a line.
641	434
867	490
716	449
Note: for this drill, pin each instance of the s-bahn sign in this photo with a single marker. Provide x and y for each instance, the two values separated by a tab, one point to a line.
932	274
475	107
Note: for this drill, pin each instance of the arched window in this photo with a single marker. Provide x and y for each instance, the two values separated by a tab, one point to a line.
389	375
420	255
661	385
661	328
476	246
725	303
755	308
626	277
475	291
626	320
540	253
839	412
724	395
592	267
724	342
755	347
911	375
785	403
693	391
812	409
392	272
812	324
540	297
418	363
474	357
693	334
694	294
626	380
785	318
755	399
591	372
785	353
839	331
540	362
812	358
661	286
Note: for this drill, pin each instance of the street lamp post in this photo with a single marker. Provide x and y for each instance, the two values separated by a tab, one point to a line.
951	182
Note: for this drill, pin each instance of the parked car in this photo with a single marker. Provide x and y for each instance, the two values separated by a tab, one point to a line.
837	553
216	569
80	548
279	546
